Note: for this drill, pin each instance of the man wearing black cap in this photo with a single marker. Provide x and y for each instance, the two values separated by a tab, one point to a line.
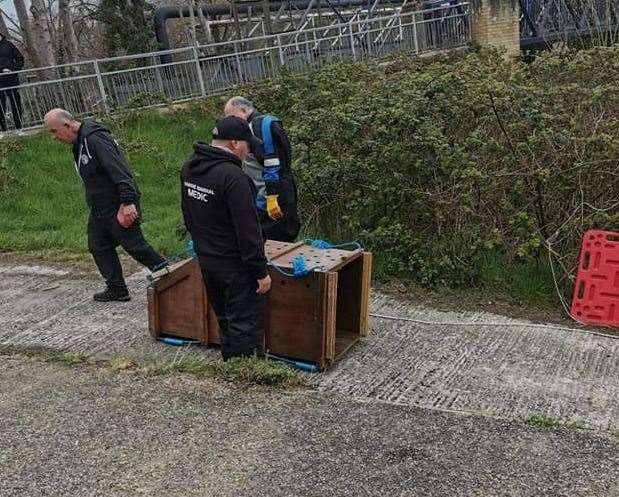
217	200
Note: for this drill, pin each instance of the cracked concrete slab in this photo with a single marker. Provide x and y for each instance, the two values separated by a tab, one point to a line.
500	370
496	370
91	432
48	307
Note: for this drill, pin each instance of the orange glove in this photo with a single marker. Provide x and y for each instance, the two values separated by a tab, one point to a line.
273	209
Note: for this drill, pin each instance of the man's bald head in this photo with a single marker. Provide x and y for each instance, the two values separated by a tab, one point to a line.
62	125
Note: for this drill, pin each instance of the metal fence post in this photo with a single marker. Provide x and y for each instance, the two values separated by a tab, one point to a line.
279	48
101	87
307	51
239	66
199	69
415	42
352	40
158	75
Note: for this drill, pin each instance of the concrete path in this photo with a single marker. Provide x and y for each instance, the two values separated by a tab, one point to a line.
498	371
502	371
92	432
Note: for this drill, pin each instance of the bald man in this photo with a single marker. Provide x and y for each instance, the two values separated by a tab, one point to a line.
112	196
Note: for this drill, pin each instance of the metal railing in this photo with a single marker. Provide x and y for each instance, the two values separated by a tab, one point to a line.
543	22
142	80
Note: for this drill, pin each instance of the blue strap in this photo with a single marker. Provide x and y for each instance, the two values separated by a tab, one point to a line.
270	174
324	245
191	248
261	202
267	136
305	366
176	341
299	268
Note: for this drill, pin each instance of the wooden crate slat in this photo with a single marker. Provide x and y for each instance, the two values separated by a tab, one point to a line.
178	303
331	315
292	318
153	313
366	285
167	277
274	250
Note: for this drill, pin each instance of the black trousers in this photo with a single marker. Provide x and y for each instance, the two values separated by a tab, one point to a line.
240	312
16	108
105	234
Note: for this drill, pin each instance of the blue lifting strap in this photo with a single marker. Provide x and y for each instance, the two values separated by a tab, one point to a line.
267	136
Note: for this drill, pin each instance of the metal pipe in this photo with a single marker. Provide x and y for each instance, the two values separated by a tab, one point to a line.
162	14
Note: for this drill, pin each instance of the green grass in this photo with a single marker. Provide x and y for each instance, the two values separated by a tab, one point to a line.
256	371
529	283
44	212
238	370
47	355
541	421
247	371
42	201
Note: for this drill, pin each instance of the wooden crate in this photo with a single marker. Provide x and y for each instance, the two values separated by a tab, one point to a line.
316	318
178	304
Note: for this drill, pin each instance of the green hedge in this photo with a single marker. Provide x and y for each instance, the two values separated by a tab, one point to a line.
437	163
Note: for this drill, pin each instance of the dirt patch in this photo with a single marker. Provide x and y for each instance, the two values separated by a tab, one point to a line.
474	300
78	264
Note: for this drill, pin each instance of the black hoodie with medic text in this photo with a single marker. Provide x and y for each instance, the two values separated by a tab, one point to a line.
101	164
218	203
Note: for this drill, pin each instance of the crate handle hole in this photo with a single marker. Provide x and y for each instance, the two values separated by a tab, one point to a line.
581	290
585	260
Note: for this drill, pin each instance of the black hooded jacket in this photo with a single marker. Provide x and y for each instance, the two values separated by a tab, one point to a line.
12	59
101	164
218	203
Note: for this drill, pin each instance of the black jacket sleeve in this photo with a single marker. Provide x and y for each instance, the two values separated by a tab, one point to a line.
282	145
18	59
184	207
110	157
284	152
240	201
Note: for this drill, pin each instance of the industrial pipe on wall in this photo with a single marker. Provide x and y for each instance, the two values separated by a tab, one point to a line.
162	14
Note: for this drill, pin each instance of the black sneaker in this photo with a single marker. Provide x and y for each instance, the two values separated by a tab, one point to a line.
112	295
